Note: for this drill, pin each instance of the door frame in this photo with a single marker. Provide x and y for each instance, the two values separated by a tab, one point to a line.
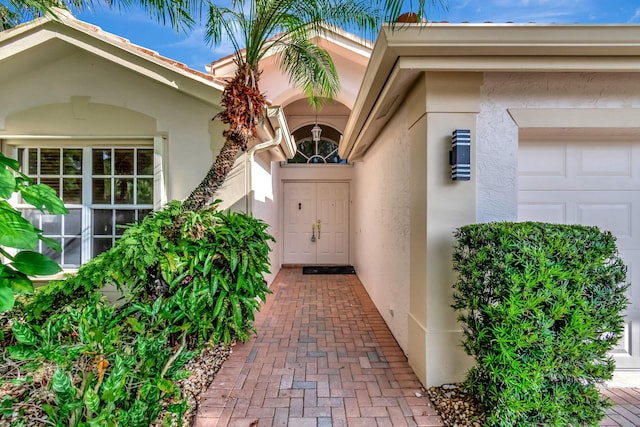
283	207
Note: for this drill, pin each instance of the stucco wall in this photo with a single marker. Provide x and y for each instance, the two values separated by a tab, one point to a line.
266	204
380	224
185	121
497	133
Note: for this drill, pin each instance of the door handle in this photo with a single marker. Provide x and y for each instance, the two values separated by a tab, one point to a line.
318	229
313	232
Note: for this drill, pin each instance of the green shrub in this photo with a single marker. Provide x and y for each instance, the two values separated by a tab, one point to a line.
541	306
210	277
114	365
107	370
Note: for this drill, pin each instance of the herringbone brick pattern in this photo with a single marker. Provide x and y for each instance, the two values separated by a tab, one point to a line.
323	357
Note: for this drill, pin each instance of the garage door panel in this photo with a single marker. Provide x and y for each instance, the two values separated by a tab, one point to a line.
542	160
557	165
613	211
623	348
632	261
528	183
591	183
613	217
603	161
543	212
623	351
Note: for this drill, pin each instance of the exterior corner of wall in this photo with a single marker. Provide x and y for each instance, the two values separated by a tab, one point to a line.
446	361
453	91
417	351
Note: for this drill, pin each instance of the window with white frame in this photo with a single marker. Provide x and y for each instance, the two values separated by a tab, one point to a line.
317	152
104	189
317	147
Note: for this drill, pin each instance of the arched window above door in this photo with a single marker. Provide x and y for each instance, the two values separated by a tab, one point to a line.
323	151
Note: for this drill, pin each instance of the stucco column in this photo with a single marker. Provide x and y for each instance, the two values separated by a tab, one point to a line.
438	104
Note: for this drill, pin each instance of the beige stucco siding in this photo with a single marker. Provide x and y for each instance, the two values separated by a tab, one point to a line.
85	95
267	205
497	135
381	205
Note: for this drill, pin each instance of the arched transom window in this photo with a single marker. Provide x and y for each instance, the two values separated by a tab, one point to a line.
323	151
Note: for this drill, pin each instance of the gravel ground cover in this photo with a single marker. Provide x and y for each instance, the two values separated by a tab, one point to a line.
455	406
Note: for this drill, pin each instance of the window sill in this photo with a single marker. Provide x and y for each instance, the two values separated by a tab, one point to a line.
43	280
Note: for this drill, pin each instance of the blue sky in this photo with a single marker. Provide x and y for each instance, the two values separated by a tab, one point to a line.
191	49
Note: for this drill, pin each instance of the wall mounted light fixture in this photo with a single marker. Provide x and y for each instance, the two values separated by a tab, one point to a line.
460	155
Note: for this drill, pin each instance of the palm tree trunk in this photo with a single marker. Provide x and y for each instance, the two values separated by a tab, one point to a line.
201	196
215	177
243	106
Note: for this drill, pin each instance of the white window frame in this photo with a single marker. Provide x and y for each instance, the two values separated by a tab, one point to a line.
11	144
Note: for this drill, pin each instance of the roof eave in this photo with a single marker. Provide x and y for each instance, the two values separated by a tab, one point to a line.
93	39
400	55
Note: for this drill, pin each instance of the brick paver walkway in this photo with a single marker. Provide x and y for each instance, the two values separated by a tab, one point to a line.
323	357
626	413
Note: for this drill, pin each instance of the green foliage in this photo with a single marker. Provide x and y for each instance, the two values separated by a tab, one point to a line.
541	306
116	364
209	280
255	28
175	12
18	233
103	365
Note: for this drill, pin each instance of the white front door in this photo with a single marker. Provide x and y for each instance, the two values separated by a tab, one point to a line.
591	183
316	223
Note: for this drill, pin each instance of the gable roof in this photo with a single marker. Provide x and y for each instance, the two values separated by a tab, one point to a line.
62	32
335	37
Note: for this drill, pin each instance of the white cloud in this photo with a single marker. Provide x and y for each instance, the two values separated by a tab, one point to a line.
542	11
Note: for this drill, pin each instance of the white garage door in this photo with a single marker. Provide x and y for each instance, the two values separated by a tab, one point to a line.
591	183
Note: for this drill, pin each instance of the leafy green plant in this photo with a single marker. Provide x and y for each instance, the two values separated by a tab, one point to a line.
19	234
116	365
210	277
103	364
541	306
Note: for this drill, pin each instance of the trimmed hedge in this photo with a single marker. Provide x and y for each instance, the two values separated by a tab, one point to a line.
541	306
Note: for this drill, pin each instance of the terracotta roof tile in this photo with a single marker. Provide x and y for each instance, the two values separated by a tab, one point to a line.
139	49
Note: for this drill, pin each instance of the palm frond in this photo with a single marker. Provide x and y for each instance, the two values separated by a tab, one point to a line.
221	22
15	12
178	13
8	18
352	15
310	67
257	27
